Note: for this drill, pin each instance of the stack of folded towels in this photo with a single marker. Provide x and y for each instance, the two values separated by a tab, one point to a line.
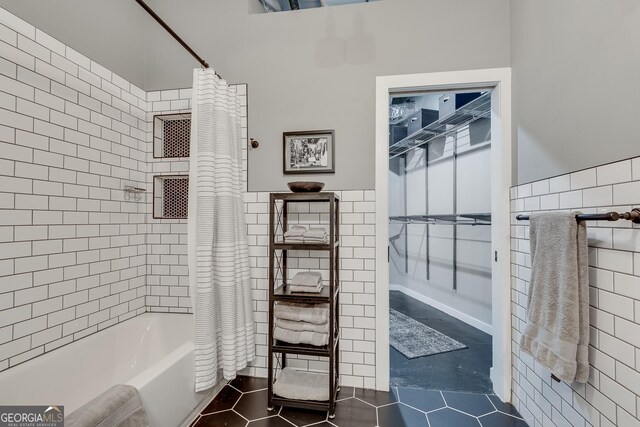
300	234
298	323
308	281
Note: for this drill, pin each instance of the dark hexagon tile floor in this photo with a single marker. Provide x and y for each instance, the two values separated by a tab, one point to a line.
243	403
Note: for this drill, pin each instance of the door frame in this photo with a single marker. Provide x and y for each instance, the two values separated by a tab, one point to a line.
499	79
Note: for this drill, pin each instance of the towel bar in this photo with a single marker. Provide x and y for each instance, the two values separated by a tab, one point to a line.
633	215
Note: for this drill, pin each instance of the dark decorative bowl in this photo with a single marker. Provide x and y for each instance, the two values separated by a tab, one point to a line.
305	186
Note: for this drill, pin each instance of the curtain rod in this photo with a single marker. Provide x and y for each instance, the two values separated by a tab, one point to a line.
173	34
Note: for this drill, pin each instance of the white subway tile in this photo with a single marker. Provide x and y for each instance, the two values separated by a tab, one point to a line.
8	36
19	121
14	315
626	239
615	260
559	184
78	58
14	347
583	179
49	42
46	336
17	56
23	27
540	187
616	348
15	250
571	200
614	173
29	327
27	201
627	331
615	304
47	306
627	193
32	48
628	377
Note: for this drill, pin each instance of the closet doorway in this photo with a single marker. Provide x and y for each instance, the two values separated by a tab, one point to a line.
442	208
440	240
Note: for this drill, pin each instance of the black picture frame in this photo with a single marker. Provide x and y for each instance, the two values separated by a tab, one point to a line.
308	152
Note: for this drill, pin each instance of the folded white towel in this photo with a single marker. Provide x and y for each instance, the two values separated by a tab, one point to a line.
301	337
308	289
305	240
294	239
315	233
291	325
307	278
292	384
295	230
312	313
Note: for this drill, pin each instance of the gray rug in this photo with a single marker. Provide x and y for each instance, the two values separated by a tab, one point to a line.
413	339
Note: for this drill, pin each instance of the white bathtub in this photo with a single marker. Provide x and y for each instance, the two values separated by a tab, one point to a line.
152	352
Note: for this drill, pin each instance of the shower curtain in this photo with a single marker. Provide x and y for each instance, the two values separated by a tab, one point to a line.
218	252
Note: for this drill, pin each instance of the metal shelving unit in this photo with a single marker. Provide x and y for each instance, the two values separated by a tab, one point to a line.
475	110
279	291
457	219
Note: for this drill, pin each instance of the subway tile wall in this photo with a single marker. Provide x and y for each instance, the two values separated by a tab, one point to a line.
72	243
612	395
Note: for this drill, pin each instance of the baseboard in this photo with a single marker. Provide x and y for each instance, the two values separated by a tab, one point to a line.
442	307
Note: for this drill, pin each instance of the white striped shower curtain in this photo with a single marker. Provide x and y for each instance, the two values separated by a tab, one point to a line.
218	250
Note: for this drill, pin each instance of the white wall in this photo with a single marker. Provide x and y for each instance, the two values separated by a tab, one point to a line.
473	296
612	395
575	84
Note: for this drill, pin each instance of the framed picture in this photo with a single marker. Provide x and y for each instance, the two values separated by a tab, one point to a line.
309	152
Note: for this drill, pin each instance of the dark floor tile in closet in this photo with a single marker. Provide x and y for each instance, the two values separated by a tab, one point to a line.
461	370
377	398
503	407
245	384
221	419
275	421
498	419
302	417
400	415
469	403
354	413
345	393
225	399
253	406
447	417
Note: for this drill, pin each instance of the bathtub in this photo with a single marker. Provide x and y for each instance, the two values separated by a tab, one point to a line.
152	352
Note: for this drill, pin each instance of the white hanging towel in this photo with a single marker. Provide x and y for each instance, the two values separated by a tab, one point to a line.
218	252
557	331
